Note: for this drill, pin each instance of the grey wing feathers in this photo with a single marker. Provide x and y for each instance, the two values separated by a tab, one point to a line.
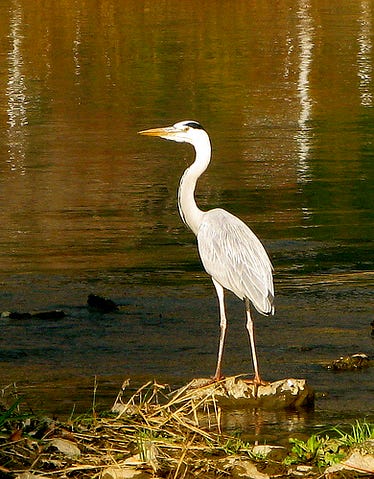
233	255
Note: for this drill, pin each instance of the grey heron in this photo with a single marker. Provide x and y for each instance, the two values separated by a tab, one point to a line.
230	252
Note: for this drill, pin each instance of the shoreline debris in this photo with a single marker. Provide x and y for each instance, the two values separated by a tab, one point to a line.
350	363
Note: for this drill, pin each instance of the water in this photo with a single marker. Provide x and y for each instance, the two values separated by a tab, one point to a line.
87	206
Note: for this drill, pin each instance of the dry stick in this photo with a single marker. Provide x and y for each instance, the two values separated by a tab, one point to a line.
183	455
176	414
196	406
218	412
132	399
125	383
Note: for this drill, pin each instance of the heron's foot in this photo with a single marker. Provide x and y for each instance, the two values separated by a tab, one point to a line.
257	381
217	378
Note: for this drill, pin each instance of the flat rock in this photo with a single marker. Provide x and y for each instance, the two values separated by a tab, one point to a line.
360	462
68	448
356	461
235	392
248	470
124	473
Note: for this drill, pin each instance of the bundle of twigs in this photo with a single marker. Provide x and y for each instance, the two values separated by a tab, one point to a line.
155	431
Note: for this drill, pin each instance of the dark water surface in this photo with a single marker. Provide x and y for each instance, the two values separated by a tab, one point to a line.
87	206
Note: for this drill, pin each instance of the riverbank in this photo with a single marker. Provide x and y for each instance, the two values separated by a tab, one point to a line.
161	433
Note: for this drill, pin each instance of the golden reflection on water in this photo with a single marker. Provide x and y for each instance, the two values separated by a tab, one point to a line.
16	92
364	55
281	90
305	38
272	86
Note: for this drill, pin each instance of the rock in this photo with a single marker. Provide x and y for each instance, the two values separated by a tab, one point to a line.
234	392
246	469
304	468
360	462
124	473
366	447
54	314
68	448
356	461
349	363
272	453
101	304
15	315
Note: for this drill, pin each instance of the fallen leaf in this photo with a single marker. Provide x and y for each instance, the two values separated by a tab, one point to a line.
16	435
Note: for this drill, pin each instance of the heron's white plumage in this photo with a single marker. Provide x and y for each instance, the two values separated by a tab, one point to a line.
233	255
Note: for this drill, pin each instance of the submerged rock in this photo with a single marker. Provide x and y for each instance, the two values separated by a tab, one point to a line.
234	392
15	315
101	304
53	314
349	363
56	314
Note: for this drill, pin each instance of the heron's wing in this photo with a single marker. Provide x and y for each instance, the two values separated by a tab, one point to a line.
233	255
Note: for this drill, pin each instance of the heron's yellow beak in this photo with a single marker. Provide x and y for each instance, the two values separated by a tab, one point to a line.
168	132
156	132
152	132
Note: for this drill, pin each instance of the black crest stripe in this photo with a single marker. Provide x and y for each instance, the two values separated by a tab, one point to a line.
194	124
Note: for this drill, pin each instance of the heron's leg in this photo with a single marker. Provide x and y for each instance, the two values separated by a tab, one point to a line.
251	334
223	325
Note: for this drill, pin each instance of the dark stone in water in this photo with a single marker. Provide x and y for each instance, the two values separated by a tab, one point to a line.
100	304
54	314
16	315
349	363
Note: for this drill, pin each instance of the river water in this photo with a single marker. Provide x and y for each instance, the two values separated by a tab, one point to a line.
285	90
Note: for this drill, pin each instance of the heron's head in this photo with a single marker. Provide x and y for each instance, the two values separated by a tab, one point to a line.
187	131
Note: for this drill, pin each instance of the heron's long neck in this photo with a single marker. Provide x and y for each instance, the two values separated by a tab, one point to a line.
191	214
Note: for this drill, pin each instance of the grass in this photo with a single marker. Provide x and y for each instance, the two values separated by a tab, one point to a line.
162	433
360	432
325	450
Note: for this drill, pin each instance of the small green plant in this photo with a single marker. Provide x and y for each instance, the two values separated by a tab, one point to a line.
235	445
304	451
325	451
361	432
257	456
8	415
321	451
232	445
